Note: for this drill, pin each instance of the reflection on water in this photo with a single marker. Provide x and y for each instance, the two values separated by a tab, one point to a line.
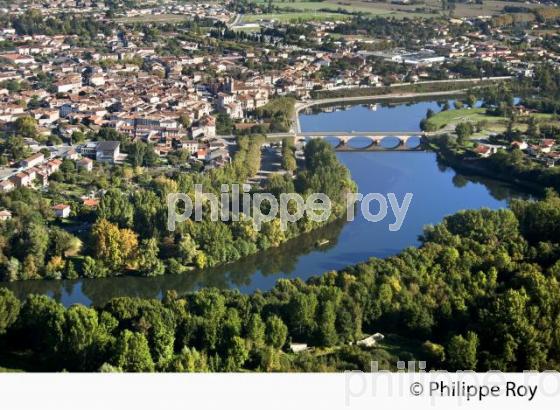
240	274
438	191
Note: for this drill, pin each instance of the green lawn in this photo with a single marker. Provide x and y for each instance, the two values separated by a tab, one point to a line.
290	17
452	117
354	6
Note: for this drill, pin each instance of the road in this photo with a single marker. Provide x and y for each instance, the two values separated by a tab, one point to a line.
235	21
380	97
56	151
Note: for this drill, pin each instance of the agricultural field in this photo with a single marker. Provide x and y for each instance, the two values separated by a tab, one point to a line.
427	8
154	18
292	17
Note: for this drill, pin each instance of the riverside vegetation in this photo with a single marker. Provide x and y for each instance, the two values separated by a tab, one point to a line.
480	293
128	232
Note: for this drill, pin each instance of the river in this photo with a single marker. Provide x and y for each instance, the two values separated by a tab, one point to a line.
437	191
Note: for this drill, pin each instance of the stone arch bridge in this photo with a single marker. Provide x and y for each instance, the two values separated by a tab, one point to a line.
375	139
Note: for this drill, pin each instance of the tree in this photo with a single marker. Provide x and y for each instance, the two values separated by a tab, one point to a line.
14	148
471	100
9	309
26	126
137	153
462	352
78	137
288	157
148	261
185	120
133	353
532	128
93	269
463	130
237	354
80	336
276	332
41	323
189	360
117	208
327	335
301	311
256	329
115	247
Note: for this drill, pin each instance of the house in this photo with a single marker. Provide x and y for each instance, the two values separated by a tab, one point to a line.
90	202
370	341
33	160
484	151
62	210
22	179
15	58
201	153
85	163
190	146
522	145
206	127
42	178
53	165
546	145
5	215
69	84
298	347
88	149
7	186
107	151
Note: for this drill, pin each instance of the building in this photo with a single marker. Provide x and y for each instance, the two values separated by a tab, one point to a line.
33	160
5	215
23	179
62	210
90	202
7	186
107	151
190	146
69	84
85	163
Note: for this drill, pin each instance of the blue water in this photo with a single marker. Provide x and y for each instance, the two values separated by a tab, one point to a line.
437	191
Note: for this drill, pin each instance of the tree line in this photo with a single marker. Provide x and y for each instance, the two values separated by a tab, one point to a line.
479	293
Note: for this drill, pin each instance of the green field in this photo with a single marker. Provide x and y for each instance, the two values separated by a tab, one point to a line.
325	10
151	18
448	119
452	117
427	8
292	17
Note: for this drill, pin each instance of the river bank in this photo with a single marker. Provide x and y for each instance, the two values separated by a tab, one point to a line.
438	191
480	167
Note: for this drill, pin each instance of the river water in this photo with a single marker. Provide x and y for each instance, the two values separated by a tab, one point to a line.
437	191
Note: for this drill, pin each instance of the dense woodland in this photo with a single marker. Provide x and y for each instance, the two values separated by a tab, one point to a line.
480	293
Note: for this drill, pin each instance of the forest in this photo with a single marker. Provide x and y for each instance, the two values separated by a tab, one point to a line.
480	293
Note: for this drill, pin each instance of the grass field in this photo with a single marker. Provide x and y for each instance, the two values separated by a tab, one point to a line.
299	16
428	8
353	6
150	18
450	118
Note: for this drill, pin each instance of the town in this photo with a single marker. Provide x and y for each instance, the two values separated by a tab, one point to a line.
109	108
